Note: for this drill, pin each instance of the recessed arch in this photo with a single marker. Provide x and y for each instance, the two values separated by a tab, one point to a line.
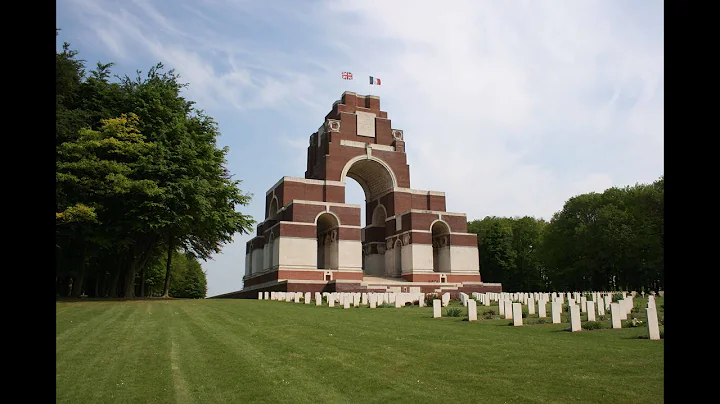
273	209
379	215
327	224
441	245
439	227
327	212
373	174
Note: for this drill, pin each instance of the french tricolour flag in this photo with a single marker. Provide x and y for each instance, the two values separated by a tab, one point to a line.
375	81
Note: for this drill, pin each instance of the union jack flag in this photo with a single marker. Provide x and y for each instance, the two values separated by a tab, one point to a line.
347	75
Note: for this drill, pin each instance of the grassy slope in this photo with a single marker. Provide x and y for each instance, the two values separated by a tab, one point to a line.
236	351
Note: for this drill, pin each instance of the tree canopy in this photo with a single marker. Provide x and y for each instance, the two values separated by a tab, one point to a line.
608	241
139	175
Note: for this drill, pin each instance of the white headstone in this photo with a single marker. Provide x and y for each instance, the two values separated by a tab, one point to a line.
331	301
297	297
445	299
583	304
267	295
600	307
308	297
542	309
615	312
575	318
318	299
373	298
623	309
346	303
508	310
437	310
356	299
517	314
501	307
531	305
260	295
487	299
555	309
652	322
472	310
590	311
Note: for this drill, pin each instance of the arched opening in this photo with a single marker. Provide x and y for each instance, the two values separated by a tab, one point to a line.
327	241
398	259
272	211
379	216
441	246
375	178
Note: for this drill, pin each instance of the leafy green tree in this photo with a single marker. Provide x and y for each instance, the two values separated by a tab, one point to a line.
119	198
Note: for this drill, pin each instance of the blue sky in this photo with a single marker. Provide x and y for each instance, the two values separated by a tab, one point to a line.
509	107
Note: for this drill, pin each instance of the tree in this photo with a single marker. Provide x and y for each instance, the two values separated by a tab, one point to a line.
137	169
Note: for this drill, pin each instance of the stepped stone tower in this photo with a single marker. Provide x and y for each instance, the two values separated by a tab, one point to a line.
311	240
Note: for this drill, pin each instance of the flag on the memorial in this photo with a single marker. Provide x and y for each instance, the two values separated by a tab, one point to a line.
347	75
374	80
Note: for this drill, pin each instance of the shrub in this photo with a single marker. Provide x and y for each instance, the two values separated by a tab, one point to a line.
386	305
489	313
632	323
453	312
542	321
616	297
591	325
429	299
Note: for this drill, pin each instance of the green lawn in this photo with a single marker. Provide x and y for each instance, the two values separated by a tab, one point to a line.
241	351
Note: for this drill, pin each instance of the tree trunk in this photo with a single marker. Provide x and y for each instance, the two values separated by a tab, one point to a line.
142	281
79	280
113	291
166	289
138	260
96	293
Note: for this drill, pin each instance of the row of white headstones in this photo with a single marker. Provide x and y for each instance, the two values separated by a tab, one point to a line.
347	300
510	304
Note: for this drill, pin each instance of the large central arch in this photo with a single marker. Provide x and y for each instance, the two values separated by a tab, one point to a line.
375	178
373	174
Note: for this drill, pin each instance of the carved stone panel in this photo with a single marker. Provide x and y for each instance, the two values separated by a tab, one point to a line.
365	124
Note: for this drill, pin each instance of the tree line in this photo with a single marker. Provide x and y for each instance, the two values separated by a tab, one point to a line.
142	188
599	241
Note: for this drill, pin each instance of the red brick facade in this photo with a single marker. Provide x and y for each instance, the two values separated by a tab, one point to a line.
357	140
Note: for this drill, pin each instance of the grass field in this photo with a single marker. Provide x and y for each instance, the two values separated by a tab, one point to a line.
243	351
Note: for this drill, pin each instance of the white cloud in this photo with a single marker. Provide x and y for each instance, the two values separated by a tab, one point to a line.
513	107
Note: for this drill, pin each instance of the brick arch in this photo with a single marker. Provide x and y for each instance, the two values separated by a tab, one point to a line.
442	222
373	174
